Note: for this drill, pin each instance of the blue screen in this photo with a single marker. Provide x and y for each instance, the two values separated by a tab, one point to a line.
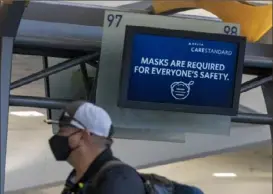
182	71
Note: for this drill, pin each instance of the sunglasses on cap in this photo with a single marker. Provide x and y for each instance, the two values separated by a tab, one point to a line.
67	121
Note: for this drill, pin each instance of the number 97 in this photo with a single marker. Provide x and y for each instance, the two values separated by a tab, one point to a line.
111	18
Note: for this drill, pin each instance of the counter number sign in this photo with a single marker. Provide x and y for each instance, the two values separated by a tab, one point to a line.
114	20
231	30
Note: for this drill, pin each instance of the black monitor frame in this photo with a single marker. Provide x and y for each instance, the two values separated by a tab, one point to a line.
130	31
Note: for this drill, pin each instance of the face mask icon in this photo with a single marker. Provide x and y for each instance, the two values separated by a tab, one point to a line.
181	90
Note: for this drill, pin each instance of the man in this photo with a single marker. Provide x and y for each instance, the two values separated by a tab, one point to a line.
84	141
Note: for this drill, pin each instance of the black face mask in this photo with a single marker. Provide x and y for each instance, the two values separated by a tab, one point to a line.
60	146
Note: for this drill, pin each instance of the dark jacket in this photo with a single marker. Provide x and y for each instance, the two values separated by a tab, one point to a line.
121	179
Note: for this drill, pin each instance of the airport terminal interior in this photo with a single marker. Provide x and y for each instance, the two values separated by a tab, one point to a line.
238	163
244	170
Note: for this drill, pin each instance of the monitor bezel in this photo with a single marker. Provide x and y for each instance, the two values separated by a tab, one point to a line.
130	31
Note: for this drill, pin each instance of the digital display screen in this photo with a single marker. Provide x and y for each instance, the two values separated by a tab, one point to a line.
181	70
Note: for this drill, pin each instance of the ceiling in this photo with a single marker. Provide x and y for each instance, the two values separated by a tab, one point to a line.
120	3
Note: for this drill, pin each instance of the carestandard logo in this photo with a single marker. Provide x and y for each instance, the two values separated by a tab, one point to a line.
198	47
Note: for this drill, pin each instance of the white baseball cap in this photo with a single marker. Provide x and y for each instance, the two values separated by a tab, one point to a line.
86	116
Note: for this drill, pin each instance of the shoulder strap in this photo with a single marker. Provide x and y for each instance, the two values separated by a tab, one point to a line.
105	167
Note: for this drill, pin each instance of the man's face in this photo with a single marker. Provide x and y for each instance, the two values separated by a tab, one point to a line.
65	142
74	136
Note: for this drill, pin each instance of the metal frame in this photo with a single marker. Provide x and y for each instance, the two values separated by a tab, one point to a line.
38	102
255	82
6	61
267	89
52	70
10	16
49	103
85	80
46	85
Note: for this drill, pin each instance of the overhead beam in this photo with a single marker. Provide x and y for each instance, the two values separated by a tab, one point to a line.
249	118
53	70
255	82
38	102
41	102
